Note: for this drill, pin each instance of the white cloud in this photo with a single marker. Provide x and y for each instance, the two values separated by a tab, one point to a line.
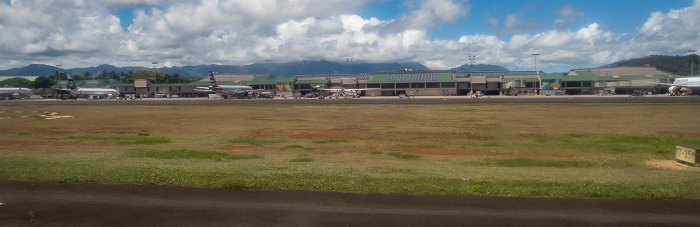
179	32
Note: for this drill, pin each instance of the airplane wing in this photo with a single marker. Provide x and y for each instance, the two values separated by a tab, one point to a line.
202	89
661	83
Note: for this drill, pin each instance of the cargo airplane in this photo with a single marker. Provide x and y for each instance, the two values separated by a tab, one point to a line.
14	92
226	91
688	85
103	92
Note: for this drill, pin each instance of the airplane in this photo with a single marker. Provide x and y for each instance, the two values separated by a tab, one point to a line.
14	92
240	91
104	92
345	92
688	85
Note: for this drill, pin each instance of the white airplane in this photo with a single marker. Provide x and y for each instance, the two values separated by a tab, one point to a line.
240	91
346	92
104	92
688	85
14	92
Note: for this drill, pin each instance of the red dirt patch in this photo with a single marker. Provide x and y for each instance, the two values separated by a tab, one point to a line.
557	158
37	146
307	133
236	148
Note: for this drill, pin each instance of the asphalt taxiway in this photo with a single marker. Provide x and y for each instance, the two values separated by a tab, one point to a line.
62	204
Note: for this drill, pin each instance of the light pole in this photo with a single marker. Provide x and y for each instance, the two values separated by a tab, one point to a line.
349	60
692	61
155	76
538	74
57	78
471	71
268	65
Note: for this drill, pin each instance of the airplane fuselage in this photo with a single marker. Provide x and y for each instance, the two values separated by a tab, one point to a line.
15	92
95	91
689	85
231	90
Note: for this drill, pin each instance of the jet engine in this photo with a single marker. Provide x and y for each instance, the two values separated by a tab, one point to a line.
673	90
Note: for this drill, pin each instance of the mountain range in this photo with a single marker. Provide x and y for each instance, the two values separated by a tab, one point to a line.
679	65
277	69
200	71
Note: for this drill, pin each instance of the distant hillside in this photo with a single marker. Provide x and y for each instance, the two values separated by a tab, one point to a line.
200	71
480	68
678	65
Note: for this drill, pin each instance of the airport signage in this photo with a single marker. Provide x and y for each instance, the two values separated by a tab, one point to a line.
687	155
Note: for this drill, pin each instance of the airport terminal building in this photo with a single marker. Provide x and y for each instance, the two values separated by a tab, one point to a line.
600	81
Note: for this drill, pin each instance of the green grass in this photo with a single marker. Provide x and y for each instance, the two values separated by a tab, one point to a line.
104	171
124	139
541	150
186	153
323	141
404	155
527	162
302	158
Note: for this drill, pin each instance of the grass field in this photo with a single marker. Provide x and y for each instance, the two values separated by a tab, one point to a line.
539	150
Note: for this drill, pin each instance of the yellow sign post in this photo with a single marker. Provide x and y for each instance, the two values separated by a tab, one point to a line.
687	155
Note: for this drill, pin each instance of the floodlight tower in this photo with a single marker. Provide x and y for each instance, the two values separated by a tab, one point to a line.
692	61
155	79
538	74
471	71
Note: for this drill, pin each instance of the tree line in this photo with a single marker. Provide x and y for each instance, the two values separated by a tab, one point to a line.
110	77
677	65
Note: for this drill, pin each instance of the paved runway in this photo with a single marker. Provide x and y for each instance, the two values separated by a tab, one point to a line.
370	100
60	204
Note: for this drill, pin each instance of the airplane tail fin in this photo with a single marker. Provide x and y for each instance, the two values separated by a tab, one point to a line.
212	81
71	83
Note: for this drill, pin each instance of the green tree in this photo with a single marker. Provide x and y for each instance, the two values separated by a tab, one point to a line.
149	75
114	76
43	82
16	82
87	76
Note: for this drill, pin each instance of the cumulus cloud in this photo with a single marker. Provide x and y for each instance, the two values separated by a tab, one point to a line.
179	32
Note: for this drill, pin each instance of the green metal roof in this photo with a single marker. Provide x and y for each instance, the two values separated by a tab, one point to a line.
416	76
311	82
287	79
257	80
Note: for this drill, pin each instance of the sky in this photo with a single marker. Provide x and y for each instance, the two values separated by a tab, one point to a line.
440	34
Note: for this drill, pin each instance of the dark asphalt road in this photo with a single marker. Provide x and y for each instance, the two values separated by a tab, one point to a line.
376	100
58	204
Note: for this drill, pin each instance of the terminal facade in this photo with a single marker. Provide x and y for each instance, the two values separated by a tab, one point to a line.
600	81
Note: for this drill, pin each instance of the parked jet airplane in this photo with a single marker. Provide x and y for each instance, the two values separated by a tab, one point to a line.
103	92
345	92
240	91
688	85
14	92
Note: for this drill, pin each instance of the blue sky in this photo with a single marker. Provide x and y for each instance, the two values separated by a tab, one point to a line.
440	34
